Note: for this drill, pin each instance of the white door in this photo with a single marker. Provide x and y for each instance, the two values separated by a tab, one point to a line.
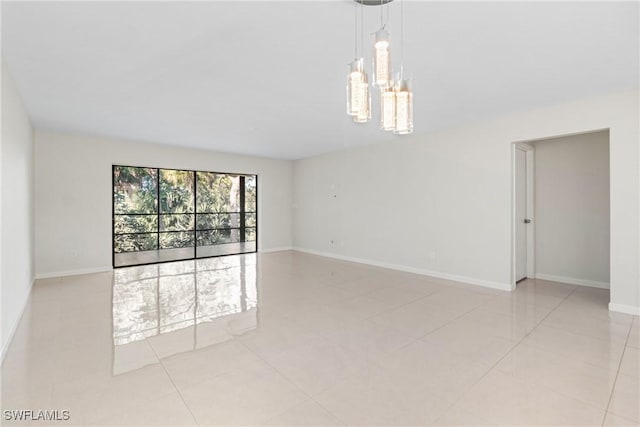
521	214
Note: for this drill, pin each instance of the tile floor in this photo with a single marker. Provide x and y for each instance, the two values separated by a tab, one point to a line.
294	339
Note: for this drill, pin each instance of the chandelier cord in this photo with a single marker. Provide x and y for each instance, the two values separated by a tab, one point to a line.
355	30
361	30
388	14
402	39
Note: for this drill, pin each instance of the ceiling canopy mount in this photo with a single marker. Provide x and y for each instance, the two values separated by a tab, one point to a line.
373	2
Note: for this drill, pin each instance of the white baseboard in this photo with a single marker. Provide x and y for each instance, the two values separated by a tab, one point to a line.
280	249
573	281
626	309
423	272
73	272
14	327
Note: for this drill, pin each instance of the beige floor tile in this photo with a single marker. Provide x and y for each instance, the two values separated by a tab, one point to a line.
421	284
360	307
196	366
612	420
362	286
167	410
190	338
84	284
478	289
91	322
28	374
463	339
39	322
308	413
580	322
341	315
458	417
79	358
545	287
634	334
307	340
415	319
276	335
96	397
521	309
26	395
498	324
631	362
395	297
519	297
433	368
243	397
593	303
582	381
374	398
456	300
625	400
591	294
500	399
132	356
318	365
599	352
370	340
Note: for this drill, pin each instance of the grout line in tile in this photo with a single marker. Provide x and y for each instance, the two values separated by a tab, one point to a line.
174	385
445	324
615	381
492	367
582	334
292	384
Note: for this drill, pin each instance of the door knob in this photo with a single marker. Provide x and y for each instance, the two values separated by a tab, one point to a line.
527	221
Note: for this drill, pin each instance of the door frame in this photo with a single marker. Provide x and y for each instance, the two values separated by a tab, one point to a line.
530	200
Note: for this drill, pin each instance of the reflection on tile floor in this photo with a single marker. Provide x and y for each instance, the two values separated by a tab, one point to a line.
295	339
163	300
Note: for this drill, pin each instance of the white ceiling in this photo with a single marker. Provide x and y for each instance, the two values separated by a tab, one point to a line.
268	78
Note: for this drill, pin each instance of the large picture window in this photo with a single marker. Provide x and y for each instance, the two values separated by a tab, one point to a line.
162	215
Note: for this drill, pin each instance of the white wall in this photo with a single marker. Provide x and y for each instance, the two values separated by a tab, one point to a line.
572	209
73	195
16	259
441	203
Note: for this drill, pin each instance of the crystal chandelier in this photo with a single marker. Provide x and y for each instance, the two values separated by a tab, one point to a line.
358	96
403	106
382	59
396	95
355	82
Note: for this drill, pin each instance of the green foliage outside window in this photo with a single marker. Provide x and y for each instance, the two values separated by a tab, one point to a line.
149	200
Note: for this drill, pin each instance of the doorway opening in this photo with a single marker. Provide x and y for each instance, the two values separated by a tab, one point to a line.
560	212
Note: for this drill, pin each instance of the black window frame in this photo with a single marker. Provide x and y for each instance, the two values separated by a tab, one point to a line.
158	214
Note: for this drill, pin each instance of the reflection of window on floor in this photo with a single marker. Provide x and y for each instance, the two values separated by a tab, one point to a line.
181	306
167	215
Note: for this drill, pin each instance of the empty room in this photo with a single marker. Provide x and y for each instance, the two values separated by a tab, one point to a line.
326	213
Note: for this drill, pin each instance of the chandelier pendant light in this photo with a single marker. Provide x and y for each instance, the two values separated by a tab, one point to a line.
355	80
358	96
364	101
382	59
403	91
396	95
403	106
388	109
